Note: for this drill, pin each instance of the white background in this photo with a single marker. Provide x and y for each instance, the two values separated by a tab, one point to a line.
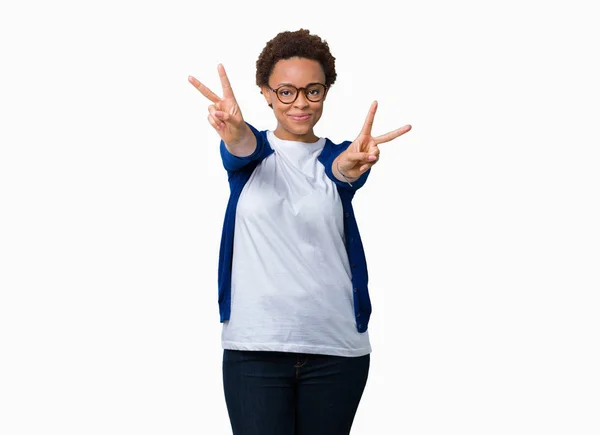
480	225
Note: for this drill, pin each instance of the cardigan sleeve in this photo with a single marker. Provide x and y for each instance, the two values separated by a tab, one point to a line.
329	169
234	163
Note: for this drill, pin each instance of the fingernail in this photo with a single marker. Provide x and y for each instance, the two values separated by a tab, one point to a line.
372	157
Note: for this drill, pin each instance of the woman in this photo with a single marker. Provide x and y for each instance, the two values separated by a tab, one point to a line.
293	294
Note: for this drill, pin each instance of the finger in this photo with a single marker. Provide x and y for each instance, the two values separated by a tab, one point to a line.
218	114
392	135
366	130
223	116
212	110
227	91
373	157
216	124
212	122
374	152
366	166
204	90
357	157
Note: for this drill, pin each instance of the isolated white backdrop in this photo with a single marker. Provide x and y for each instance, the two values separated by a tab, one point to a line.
484	265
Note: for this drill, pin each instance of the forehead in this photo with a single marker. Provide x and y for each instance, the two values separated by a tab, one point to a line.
297	71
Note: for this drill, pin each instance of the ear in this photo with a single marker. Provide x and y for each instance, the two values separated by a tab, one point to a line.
267	94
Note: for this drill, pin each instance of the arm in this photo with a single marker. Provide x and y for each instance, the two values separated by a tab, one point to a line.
233	162
246	144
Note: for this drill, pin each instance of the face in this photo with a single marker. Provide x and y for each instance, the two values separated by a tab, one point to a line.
295	121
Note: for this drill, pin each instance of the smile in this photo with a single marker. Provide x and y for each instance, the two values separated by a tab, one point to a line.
300	118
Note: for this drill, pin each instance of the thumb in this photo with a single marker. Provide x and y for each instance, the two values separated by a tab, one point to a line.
228	118
356	157
223	116
234	119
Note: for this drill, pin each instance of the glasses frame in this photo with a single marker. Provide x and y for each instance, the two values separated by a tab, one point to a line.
304	89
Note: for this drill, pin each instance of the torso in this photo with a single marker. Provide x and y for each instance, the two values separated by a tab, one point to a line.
291	281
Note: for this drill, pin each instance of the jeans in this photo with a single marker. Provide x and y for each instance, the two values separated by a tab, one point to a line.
284	393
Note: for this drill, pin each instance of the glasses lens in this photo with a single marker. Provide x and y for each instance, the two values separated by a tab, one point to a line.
315	92
287	94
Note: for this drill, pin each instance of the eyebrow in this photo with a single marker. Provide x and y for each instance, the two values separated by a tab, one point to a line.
308	84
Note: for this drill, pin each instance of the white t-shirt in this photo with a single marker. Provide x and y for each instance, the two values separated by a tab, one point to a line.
291	288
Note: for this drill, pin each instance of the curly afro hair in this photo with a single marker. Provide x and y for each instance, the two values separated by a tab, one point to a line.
295	44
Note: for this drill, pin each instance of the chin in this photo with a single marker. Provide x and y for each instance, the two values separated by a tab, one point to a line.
301	130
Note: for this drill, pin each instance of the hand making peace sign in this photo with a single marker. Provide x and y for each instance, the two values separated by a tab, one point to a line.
225	114
364	152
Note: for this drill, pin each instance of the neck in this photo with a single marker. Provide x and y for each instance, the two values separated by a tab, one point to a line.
308	137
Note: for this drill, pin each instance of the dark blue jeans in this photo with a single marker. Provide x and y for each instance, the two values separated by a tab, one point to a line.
284	393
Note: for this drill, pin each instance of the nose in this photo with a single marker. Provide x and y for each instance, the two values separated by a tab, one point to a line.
301	101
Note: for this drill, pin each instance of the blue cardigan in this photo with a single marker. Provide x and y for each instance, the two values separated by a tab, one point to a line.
239	170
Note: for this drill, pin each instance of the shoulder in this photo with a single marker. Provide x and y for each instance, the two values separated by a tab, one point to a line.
331	149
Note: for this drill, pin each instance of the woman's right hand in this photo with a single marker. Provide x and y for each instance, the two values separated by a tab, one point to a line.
224	114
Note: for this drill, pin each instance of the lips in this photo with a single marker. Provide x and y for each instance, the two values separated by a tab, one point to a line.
300	117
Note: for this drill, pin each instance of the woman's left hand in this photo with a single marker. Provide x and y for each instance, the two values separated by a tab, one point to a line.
364	152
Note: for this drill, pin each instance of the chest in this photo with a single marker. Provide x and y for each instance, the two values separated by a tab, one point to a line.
288	190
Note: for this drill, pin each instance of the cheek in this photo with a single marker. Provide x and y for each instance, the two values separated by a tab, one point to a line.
318	113
280	112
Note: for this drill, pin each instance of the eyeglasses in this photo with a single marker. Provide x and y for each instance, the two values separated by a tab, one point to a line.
287	94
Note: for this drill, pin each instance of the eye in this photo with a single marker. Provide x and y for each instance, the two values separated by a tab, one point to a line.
286	91
315	90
